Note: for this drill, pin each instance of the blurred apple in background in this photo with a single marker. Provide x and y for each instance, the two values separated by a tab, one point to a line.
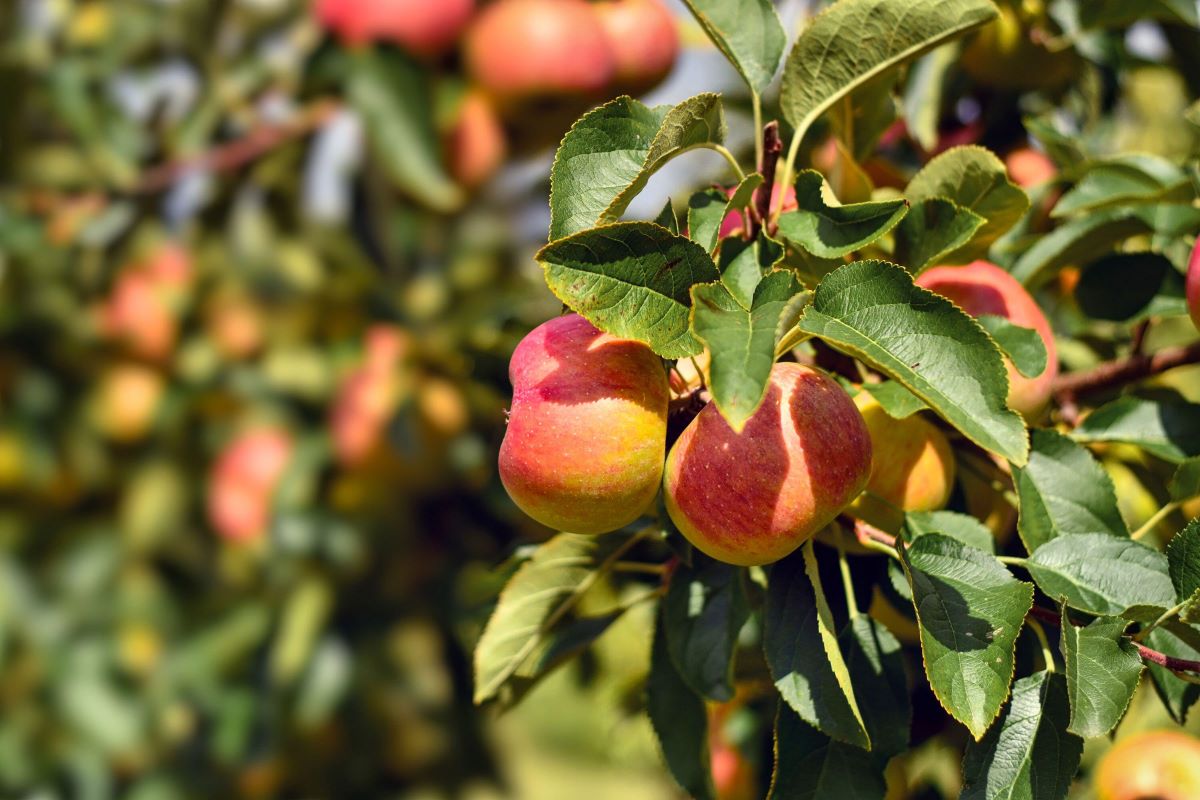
422	27
243	480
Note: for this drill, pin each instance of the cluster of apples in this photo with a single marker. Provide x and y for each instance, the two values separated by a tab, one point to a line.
555	57
587	433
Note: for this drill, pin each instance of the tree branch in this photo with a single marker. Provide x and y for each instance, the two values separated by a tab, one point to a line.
772	146
1125	370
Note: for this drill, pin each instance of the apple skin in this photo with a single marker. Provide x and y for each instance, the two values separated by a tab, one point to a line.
127	399
421	27
243	481
583	451
1028	167
912	467
1161	764
477	143
752	498
367	397
1193	285
644	40
522	49
984	288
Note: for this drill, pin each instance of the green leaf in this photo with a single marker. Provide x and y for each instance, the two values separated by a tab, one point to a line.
853	41
748	32
974	179
704	609
1169	428
1177	696
863	116
680	721
896	401
1063	490
631	279
666	218
1124	179
610	152
707	210
1119	13
811	766
834	231
924	94
392	96
1120	285
872	311
1183	559
1079	241
1101	574
934	228
962	527
797	638
1185	482
875	661
1030	755
529	606
970	610
741	341
1103	668
1023	346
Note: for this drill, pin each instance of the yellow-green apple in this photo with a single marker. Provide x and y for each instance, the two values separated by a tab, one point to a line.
644	40
522	49
583	451
1193	285
422	27
1164	765
235	323
753	497
243	481
912	467
1008	54
983	288
126	401
477	144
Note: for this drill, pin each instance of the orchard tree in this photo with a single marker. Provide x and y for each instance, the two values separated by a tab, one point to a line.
761	404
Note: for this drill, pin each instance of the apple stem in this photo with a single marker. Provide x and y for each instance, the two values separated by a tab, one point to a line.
847	581
1040	633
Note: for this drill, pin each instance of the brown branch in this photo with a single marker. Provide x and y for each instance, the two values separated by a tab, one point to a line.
772	147
1125	370
239	152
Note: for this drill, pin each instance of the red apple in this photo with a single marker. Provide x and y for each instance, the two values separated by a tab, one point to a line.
422	27
1193	285
243	480
1028	167
367	397
477	143
1163	765
644	40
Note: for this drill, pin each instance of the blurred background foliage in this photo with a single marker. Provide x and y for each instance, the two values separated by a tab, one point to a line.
255	320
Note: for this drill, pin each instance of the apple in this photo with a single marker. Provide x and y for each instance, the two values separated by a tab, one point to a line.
421	27
583	451
1028	167
126	400
644	40
1193	285
524	49
145	300
1164	765
1005	55
984	288
235	324
243	480
753	497
368	397
477	144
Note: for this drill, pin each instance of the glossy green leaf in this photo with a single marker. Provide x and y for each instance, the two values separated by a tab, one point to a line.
896	401
1118	286
1119	13
707	209
631	279
1168	427
924	93
962	527
1063	490
1029	754
796	640
854	41
834	231
933	229
811	766
1185	483
741	341
704	609
748	32
1078	241
680	721
666	218
1124	179
1177	695
974	179
1103	668
1101	574
1023	346
875	661
970	610
1183	559
861	117
872	311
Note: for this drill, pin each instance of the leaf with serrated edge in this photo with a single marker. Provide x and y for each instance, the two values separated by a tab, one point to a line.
707	210
1030	754
666	218
962	527
811	766
1063	490
1101	574
1177	695
1124	179
832	231
740	341
1103	668
853	41
1023	346
1183	560
970	610
975	179
875	660
1167	427
704	609
748	32
679	720
933	229
872	311
631	279
896	401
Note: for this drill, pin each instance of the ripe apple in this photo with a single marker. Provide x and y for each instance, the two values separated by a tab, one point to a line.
126	401
477	144
583	451
753	497
146	298
983	288
243	480
912	467
644	40
367	397
1164	765
421	27
1193	285
1028	167
523	49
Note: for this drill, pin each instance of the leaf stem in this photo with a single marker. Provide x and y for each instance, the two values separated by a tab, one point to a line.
731	160
639	568
847	581
1152	523
756	104
1040	633
1166	615
1017	561
789	167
